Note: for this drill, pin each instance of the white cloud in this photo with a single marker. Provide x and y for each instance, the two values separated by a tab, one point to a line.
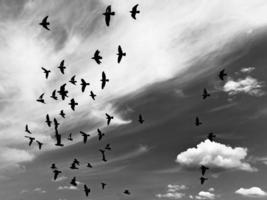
175	188
173	192
205	195
247	69
71	187
249	85
39	190
251	192
215	155
61	178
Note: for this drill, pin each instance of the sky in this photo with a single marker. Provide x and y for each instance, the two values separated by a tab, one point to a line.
174	49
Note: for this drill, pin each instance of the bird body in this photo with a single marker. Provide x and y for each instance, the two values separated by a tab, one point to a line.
46	72
97	57
41	99
197	122
84	84
72	80
108	15
120	54
222	74
109	118
73	182
140	119
205	94
202	180
72	104
86	190
56	173
63	92
85	136
92	95
27	129
62	114
53	96
211	136
62	67
45	23
134	11
104	80
100	134
203	169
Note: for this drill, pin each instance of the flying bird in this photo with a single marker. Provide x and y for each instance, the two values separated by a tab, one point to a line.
53	96
84	84
62	114
46	72
72	104
85	136
53	166
104	80
27	129
108	147
61	67
203	169
140	119
97	57
92	95
56	173
120	54
40	144
31	139
63	92
202	180
205	94
56	124
127	192
197	122
73	181
58	138
100	134
222	74
73	166
89	165
103	155
45	23
70	137
108	15
41	98
103	185
76	161
211	136
86	190
48	121
134	11
72	80
109	118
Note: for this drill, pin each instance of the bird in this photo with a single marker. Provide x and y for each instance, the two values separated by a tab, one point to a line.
89	165
108	147
197	122
48	121
62	67
27	129
40	144
46	71
92	95
100	134
103	155
127	192
72	80
222	74
211	136
73	166
73	181
203	169
103	185
202	180
120	54
56	173
97	57
31	139
45	23
109	118
85	136
62	114
140	119
205	94
86	190
104	80
72	104
76	161
108	14
53	166
53	96
58	138
84	84
56	124
70	137
134	11
40	99
63	92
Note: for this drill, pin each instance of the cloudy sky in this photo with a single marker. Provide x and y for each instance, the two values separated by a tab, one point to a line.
174	49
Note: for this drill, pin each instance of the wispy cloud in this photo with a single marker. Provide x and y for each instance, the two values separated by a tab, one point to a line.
71	187
247	69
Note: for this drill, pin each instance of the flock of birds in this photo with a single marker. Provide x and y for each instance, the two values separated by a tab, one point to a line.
63	93
211	136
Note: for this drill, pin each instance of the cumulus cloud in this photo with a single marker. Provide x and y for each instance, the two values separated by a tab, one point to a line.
249	85
173	192
251	192
215	155
205	195
247	69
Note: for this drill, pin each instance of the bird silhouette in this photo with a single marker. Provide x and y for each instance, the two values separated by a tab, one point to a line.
53	166
62	114
127	192
104	80
86	190
134	11
202	180
84	84
56	173
97	57
58	138
72	104
72	80
211	136
27	129
109	118
92	95
48	121
140	119
89	165
85	136
73	181
45	23
56	123
73	166
120	54
41	99
205	94
53	96
103	185
108	147
40	144
46	72
100	134
203	169
103	155
108	15
76	161
222	74
31	139
63	92
197	122
61	67
70	137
